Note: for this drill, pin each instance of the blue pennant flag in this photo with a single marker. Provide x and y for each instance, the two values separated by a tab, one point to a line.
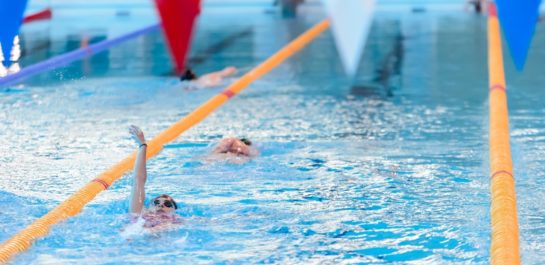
518	20
11	17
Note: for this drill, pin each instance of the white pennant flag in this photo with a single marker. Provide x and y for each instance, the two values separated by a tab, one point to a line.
350	22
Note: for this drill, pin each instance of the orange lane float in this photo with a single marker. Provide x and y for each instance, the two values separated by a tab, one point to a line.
73	205
504	246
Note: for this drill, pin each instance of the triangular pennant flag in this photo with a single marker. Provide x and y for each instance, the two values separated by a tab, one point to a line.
350	22
11	17
518	20
177	19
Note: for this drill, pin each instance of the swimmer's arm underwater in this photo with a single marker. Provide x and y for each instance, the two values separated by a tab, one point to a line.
140	175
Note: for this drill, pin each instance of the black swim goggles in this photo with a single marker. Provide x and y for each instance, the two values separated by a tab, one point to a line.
166	203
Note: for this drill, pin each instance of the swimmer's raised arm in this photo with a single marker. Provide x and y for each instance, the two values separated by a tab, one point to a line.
140	175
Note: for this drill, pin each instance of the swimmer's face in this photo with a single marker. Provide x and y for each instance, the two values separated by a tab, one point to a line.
163	204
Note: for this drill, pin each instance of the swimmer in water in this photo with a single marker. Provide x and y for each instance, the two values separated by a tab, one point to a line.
213	79
161	214
234	150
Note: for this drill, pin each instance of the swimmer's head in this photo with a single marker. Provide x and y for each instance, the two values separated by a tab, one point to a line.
164	204
234	146
188	75
246	141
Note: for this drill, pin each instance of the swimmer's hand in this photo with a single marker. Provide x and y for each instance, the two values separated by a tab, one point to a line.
137	134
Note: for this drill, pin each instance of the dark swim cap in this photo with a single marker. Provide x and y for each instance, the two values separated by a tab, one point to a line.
188	75
246	141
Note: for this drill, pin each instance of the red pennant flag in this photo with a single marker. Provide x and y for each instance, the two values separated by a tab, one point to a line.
178	17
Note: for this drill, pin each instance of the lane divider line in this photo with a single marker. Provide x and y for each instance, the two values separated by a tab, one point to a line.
504	243
104	183
73	205
228	93
501	172
497	87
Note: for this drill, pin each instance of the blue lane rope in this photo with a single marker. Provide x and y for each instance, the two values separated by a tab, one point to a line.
69	57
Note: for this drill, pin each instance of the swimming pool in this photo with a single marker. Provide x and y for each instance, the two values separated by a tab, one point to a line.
394	170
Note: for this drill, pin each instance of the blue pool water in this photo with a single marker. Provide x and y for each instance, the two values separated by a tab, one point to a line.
393	170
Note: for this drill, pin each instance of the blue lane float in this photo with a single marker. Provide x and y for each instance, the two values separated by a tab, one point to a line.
69	57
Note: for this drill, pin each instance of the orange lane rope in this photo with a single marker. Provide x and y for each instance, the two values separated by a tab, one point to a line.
73	205
504	246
